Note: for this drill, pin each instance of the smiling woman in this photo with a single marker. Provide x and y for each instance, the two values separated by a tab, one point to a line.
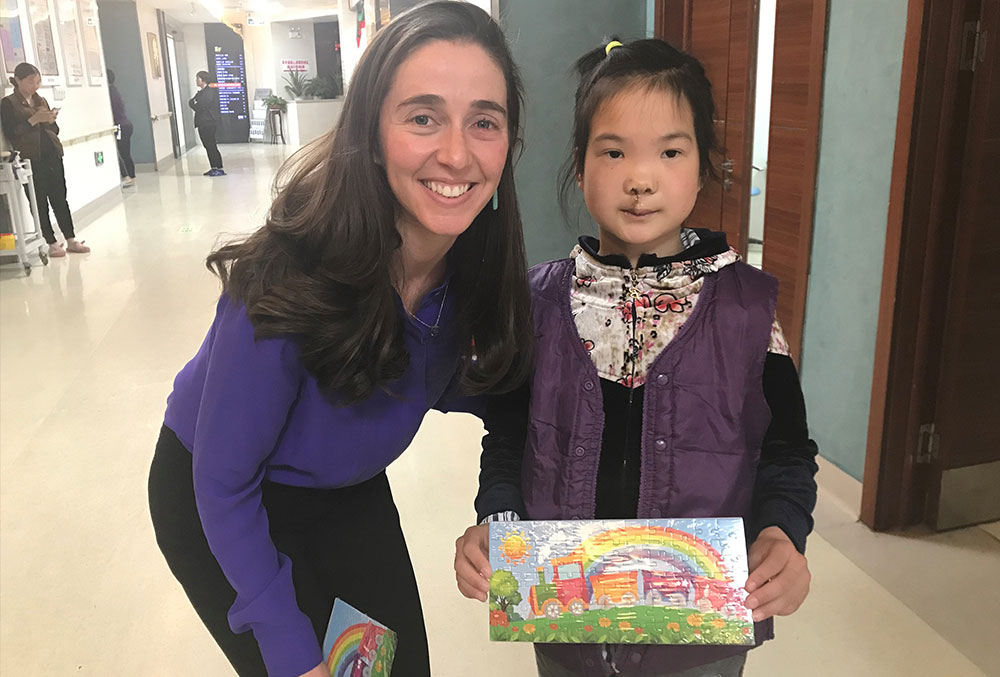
388	279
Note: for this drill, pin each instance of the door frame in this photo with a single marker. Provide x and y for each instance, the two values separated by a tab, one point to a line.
175	139
895	488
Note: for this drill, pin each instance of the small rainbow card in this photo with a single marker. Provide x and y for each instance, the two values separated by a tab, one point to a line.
357	646
657	581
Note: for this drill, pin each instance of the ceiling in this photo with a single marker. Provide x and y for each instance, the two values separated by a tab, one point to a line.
234	11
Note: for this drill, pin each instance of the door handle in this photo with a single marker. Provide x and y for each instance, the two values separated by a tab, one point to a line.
727	174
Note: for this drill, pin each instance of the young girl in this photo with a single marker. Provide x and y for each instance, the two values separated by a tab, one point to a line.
662	385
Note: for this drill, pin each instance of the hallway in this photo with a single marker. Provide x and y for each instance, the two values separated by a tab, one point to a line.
89	346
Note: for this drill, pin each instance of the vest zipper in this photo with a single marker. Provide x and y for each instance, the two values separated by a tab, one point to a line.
634	293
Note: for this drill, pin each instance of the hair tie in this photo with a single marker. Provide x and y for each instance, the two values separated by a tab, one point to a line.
611	45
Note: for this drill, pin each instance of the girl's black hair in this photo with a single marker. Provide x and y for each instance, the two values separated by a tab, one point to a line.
321	268
205	77
651	64
22	71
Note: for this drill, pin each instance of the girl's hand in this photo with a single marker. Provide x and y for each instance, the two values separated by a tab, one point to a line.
779	575
319	671
472	562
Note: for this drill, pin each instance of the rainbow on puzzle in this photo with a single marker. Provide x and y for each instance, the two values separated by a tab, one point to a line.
357	646
662	581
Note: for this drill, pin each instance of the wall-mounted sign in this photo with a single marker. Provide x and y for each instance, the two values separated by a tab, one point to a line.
254	20
66	16
45	44
295	33
295	65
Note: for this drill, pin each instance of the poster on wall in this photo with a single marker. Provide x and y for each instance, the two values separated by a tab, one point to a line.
69	36
45	43
153	43
91	42
11	41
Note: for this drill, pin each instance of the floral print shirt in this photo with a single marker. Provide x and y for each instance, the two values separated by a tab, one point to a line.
627	316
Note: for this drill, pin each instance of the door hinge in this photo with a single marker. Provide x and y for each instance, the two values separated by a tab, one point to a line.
970	46
927	444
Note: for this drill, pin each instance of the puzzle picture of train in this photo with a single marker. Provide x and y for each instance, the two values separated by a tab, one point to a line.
665	581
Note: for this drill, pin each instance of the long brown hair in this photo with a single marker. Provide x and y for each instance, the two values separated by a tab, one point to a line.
320	268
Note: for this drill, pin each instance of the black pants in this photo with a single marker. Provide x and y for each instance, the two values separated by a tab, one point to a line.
343	543
207	134
49	178
125	165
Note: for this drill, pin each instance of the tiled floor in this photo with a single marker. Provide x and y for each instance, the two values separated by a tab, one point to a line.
88	349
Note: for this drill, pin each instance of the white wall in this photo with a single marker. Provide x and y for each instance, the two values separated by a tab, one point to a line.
258	47
85	110
350	52
157	87
285	47
197	57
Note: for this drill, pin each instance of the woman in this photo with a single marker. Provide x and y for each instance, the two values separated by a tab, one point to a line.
205	105
125	164
389	279
30	127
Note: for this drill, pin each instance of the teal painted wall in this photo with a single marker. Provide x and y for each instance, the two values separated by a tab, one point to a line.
547	37
860	101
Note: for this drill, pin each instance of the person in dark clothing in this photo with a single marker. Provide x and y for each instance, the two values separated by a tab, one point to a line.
388	279
125	164
30	127
207	116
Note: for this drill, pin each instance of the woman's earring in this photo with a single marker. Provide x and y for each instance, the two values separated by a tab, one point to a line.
496	200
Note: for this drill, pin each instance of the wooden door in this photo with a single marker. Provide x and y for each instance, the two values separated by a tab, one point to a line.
965	456
793	148
722	34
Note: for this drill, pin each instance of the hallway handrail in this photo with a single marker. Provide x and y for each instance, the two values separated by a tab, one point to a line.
87	137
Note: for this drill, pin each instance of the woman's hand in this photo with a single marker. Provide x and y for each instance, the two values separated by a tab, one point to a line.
472	563
42	116
779	575
319	671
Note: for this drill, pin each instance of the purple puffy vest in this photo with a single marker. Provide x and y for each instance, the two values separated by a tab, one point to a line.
704	419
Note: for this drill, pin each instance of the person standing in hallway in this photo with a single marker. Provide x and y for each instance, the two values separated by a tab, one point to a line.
388	279
31	129
662	385
125	164
207	116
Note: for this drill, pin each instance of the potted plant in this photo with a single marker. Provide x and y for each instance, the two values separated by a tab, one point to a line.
297	84
275	103
322	87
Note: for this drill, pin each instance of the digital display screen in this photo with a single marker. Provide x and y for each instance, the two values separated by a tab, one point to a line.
228	64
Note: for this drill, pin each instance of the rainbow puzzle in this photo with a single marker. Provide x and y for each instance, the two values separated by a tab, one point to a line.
658	581
357	646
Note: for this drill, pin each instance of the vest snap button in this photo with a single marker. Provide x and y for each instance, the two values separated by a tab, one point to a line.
589	662
636	658
662	379
589	385
655	512
661	444
579	451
